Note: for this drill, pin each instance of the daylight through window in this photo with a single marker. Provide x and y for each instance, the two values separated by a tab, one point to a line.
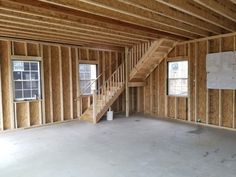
88	74
178	78
26	79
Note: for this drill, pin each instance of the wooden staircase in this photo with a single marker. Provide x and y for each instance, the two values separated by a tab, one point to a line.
152	54
143	59
105	96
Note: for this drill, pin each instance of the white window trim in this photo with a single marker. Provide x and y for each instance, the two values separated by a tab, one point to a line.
22	80
167	82
81	89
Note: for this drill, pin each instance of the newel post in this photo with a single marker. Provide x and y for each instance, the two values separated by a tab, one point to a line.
126	82
94	106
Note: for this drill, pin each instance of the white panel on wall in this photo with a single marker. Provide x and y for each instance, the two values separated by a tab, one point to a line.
221	70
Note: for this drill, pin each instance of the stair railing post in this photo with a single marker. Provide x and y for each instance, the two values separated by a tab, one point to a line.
126	82
94	106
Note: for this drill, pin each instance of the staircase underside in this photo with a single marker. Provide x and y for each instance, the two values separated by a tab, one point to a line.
103	104
149	61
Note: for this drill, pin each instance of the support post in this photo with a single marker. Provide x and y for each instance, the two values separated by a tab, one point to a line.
126	82
94	106
1	115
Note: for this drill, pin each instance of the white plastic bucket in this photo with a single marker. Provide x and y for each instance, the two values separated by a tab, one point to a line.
109	115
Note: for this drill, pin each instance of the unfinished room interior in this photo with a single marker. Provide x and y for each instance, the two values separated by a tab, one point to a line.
117	88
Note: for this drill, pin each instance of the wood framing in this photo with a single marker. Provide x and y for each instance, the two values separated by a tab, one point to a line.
1	114
131	42
7	97
127	57
114	23
59	81
213	107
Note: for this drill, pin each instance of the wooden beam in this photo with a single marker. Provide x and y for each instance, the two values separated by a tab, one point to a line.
136	84
1	114
196	81
207	93
220	93
224	8
126	82
91	20
165	87
83	38
201	12
23	15
87	6
31	35
189	85
151	93
20	24
234	96
43	119
233	1
136	13
163	9
7	95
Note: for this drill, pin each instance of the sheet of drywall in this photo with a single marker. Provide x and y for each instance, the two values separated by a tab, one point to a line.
221	70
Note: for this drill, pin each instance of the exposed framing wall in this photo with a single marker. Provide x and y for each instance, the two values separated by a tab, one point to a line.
59	78
213	107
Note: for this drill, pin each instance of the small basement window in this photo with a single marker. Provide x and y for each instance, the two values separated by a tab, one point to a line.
88	75
178	78
26	80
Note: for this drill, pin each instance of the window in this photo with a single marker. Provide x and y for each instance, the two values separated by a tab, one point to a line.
26	79
178	78
88	74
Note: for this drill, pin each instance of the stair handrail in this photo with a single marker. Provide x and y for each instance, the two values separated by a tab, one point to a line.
83	90
110	77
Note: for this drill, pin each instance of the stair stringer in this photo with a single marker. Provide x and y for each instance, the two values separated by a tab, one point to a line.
159	61
151	58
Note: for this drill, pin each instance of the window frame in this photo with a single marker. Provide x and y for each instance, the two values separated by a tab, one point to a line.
39	80
87	63
167	78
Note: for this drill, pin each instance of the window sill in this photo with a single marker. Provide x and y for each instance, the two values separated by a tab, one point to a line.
23	101
84	96
178	96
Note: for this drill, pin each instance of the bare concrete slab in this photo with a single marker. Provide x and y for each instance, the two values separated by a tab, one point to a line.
125	147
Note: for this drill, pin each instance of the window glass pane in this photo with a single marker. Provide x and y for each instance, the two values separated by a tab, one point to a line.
35	93
18	66
18	94
27	85
178	87
18	84
17	75
26	66
34	75
35	84
26	76
87	73
27	93
34	66
178	78
178	69
93	72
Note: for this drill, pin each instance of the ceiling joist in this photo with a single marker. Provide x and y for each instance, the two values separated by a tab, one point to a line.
117	23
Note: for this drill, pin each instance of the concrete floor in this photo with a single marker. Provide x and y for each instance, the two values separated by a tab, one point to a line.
125	147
